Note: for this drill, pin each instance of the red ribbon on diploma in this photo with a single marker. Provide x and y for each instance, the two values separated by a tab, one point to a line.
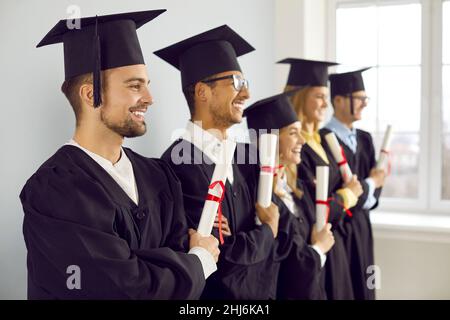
327	203
386	152
344	161
211	197
270	169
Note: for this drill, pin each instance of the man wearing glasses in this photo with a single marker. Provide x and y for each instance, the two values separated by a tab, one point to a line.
216	90
349	98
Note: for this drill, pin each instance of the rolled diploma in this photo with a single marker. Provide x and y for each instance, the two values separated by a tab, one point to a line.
209	211
321	194
335	148
267	156
385	147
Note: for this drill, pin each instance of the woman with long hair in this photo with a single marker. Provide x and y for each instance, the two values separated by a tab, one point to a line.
310	79
300	275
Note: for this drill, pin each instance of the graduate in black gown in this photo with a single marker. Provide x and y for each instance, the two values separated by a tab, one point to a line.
310	103
349	99
101	221
301	272
215	90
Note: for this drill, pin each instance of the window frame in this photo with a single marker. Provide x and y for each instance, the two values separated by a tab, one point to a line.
430	159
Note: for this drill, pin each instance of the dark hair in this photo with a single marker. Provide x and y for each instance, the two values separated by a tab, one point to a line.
70	89
189	93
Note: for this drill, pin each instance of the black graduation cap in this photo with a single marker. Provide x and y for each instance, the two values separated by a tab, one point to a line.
274	112
308	72
343	84
101	42
206	54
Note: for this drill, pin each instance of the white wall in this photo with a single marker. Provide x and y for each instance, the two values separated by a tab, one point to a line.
414	264
37	120
300	32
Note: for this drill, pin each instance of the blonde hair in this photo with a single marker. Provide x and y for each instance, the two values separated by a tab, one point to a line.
291	176
298	101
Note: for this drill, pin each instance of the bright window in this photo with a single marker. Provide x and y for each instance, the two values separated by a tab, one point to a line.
446	101
388	37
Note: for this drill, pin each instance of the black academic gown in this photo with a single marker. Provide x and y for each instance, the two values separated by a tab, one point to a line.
338	282
246	267
360	244
301	276
77	215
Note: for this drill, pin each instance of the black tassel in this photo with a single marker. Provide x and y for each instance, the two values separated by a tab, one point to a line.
352	107
97	77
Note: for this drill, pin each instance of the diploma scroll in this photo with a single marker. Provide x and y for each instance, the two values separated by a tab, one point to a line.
322	205
383	159
216	193
339	156
267	158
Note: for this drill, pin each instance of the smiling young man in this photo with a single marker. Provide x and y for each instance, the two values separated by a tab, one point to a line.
349	100
215	90
101	221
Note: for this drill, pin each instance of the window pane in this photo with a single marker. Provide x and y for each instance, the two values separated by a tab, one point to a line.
446	32
400	38
370	113
399	98
356	36
446	105
446	167
404	158
388	37
446	99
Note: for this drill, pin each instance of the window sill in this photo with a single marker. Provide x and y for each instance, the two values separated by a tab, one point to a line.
412	227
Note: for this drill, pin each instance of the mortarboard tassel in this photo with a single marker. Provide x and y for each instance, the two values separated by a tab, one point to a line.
352	107
97	68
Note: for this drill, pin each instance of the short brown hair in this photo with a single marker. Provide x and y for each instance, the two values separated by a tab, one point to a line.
70	89
189	93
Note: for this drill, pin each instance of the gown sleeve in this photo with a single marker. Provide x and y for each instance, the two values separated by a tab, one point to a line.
68	221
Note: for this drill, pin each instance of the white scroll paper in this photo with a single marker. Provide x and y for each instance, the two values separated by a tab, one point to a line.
336	150
385	149
322	174
210	207
267	157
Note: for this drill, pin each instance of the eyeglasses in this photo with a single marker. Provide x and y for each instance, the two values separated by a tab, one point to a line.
362	99
238	81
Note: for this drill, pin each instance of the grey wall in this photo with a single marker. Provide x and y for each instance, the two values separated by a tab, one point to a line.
36	119
414	264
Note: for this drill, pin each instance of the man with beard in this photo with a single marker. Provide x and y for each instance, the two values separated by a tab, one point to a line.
215	90
349	98
101	221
